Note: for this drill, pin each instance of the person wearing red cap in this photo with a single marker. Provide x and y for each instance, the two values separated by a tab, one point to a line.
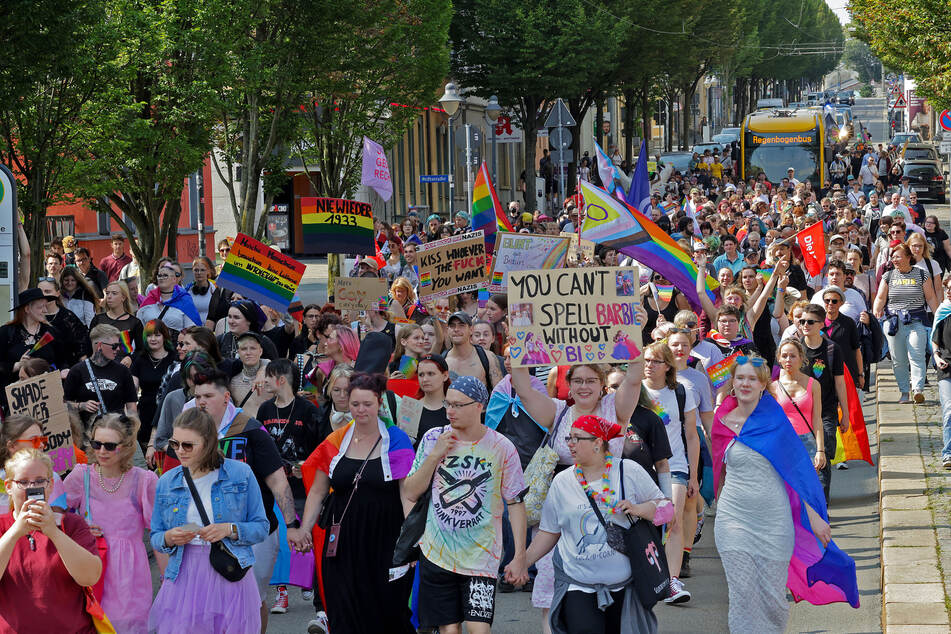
584	561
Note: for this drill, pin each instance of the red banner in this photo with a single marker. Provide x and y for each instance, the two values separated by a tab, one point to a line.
813	248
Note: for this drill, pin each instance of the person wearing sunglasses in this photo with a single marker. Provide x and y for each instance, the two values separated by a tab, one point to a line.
116	391
825	361
761	471
904	297
17	432
47	560
116	500
843	330
119	310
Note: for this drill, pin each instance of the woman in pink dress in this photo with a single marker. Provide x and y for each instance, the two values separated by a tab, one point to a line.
116	499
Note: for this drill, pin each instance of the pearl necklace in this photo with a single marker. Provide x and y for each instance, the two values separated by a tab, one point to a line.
102	483
605	494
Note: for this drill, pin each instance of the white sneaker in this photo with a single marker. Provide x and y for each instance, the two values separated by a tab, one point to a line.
307	595
677	594
842	465
319	625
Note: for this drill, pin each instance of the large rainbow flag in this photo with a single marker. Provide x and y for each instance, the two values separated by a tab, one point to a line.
610	222
335	225
487	212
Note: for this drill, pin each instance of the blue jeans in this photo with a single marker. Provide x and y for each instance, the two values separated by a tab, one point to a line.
944	393
909	344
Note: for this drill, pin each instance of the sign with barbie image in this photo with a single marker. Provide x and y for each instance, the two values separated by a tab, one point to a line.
574	316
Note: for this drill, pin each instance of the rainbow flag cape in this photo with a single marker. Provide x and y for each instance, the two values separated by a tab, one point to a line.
45	339
397	453
610	222
720	372
817	574
125	338
487	212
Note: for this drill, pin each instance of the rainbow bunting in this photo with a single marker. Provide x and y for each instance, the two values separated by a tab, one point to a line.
487	212
622	227
664	293
45	339
720	372
125	338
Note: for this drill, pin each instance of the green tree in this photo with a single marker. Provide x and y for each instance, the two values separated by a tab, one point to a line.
381	60
860	58
56	58
149	128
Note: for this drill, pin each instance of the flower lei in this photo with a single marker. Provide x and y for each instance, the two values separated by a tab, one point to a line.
605	495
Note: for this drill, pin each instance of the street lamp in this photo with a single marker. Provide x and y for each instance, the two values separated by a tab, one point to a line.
451	100
492	111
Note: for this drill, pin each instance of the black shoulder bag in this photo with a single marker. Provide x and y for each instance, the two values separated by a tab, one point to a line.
642	545
222	560
406	549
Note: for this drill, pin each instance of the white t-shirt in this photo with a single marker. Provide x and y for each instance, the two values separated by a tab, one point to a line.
665	406
707	352
192	516
583	544
853	306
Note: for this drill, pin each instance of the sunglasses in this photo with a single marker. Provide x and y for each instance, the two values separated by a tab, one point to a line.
830	300
187	446
114	346
108	446
756	362
37	442
809	322
46	279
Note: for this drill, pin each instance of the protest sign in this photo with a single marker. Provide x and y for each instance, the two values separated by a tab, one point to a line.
42	398
452	265
574	316
335	225
579	252
359	293
407	419
524	252
256	271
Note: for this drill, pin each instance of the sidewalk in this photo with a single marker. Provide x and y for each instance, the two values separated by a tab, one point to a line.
915	512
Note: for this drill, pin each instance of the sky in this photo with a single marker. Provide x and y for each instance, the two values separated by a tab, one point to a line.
840	8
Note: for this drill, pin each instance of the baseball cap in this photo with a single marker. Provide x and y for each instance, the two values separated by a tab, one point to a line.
837	236
462	316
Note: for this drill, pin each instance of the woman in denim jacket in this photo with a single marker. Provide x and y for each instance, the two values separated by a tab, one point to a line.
194	597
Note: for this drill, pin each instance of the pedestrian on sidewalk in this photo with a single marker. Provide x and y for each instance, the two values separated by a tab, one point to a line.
941	337
772	530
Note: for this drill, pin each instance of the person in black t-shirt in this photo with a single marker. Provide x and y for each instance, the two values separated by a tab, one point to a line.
842	330
116	393
824	362
432	372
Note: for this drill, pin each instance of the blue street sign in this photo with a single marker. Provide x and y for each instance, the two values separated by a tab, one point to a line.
434	178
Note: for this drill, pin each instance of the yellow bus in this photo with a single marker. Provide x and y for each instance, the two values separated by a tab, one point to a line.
775	140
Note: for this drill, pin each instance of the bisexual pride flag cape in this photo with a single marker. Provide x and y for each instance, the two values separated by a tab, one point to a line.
817	574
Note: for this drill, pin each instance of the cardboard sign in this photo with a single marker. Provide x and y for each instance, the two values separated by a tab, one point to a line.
579	252
359	293
335	225
258	272
42	398
452	265
574	316
525	252
410	411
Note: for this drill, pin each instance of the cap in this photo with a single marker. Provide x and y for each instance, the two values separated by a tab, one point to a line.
462	316
729	187
790	169
471	387
837	236
372	263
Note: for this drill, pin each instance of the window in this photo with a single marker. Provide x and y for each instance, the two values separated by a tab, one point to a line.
60	226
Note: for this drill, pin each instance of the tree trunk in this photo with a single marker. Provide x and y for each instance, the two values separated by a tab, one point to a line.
629	102
644	94
599	119
530	107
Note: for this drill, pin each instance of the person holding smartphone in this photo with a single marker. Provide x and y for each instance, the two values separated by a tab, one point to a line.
43	566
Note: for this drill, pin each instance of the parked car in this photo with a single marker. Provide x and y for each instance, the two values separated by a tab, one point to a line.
846	97
926	178
920	152
899	139
814	98
723	139
679	160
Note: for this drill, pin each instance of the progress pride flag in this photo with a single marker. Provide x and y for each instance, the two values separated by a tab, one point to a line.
812	245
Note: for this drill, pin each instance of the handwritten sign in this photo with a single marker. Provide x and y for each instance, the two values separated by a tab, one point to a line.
579	252
335	225
42	398
524	252
452	265
574	316
258	272
407	419
359	293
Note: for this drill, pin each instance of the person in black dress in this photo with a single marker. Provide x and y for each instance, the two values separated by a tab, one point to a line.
72	345
149	366
20	334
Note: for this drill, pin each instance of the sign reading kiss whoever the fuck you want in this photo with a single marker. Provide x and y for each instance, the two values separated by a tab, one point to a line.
452	265
574	316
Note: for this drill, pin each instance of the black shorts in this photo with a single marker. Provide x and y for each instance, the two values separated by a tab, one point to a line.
447	597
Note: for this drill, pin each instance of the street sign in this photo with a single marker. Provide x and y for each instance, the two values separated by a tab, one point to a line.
560	116
900	102
945	147
559	156
475	137
560	138
434	178
945	120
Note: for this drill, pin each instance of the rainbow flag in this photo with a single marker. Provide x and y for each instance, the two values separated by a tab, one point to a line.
425	280
487	212
296	309
260	273
335	225
125	338
766	273
45	339
664	293
720	372
484	292
741	234
610	222
408	366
